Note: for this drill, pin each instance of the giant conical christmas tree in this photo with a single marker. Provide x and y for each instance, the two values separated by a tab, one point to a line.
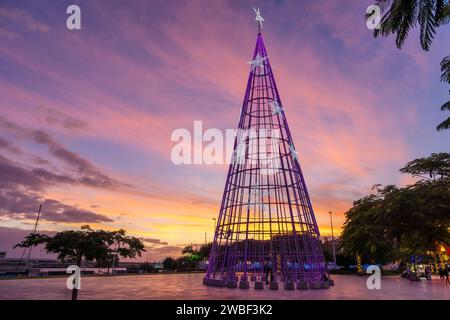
266	231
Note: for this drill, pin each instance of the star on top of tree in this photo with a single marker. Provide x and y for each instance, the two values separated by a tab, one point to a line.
259	19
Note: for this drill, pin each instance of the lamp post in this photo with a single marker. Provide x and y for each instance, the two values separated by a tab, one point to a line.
214	227
332	237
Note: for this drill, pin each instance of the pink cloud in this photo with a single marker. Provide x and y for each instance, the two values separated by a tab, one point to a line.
346	95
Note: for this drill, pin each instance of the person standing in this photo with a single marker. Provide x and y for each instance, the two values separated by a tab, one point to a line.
428	272
441	273
266	272
447	280
408	273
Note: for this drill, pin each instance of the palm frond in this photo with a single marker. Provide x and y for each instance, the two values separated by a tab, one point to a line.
399	18
444	125
445	68
442	12
384	4
408	15
427	21
446	106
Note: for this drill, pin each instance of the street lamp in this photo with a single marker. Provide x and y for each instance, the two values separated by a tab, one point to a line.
332	237
214	227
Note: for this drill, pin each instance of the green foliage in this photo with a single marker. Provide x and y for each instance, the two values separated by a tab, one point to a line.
444	125
108	261
148	267
396	223
190	259
400	16
170	264
435	166
446	106
197	255
187	250
427	20
205	251
445	77
445	69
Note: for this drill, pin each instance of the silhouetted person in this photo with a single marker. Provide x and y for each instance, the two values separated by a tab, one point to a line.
267	272
447	280
428	273
409	274
441	274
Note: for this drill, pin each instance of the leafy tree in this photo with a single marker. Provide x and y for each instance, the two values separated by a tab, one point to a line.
205	251
435	166
400	16
187	263
169	263
188	250
363	234
147	267
110	260
396	223
88	245
190	259
201	254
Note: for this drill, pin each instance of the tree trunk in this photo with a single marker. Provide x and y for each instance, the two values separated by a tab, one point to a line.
75	290
74	294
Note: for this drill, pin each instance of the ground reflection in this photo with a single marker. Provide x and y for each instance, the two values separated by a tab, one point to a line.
189	286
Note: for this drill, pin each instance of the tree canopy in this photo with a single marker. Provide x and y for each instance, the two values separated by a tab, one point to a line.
435	166
190	259
86	244
400	16
395	223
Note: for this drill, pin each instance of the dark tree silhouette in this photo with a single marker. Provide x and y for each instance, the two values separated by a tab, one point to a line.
397	223
86	244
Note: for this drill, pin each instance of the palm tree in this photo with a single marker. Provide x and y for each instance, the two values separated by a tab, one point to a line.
446	123
445	77
400	16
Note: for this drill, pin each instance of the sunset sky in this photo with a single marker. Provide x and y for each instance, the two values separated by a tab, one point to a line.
86	116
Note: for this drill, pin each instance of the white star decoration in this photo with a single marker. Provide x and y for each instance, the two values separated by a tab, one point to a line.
258	62
259	19
293	151
276	107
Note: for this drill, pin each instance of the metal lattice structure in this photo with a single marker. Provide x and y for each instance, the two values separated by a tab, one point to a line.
266	231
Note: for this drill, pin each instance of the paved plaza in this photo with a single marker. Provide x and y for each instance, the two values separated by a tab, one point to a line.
189	286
